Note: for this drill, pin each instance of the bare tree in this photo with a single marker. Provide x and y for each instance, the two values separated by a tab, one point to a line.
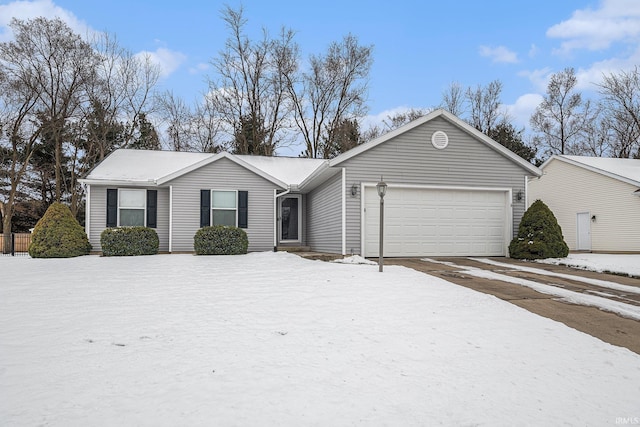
334	89
561	117
18	138
207	127
178	120
56	64
484	106
621	100
453	99
251	83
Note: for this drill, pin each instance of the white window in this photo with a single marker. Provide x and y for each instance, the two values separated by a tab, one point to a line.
131	207
224	205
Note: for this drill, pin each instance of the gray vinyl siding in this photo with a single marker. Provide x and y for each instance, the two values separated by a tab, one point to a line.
223	174
324	216
410	158
98	215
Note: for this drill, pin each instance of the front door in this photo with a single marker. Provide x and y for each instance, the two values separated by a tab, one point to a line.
290	219
584	231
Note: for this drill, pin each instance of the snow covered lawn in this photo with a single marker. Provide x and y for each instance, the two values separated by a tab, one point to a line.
628	264
273	339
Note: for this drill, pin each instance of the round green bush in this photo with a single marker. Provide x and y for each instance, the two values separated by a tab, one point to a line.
220	240
58	235
129	241
539	235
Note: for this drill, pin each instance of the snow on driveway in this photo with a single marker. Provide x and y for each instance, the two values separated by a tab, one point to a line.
628	264
273	339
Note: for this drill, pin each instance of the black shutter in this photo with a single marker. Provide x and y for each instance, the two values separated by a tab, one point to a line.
205	208
243	209
152	208
112	207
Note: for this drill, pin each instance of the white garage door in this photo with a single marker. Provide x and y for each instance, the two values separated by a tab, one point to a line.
437	222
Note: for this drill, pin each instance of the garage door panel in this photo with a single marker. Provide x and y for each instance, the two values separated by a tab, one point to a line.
430	222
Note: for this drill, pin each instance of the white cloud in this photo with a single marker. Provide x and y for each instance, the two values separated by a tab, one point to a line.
533	51
26	10
499	54
203	66
168	60
523	108
539	78
597	29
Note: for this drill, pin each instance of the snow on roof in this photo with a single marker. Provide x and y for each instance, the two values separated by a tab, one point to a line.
627	169
143	165
292	170
139	166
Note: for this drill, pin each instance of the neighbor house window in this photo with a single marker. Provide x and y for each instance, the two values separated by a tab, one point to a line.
224	207
131	207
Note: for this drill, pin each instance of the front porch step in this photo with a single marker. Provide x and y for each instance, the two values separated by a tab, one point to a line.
293	248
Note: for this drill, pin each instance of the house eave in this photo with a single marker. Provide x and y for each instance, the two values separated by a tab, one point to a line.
119	183
592	169
533	170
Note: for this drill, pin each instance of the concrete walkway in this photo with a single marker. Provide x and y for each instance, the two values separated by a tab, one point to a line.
606	326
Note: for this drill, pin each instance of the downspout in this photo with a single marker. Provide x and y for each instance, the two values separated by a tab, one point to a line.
87	210
344	211
170	218
275	215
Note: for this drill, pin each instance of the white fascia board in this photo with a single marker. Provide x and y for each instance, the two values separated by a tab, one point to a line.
222	155
591	168
387	136
119	183
491	143
453	120
317	177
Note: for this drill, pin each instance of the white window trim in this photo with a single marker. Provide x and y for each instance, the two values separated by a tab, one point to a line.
211	208
144	217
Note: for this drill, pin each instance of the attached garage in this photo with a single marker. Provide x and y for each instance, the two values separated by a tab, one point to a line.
438	221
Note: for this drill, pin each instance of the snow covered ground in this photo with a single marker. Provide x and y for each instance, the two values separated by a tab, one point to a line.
272	339
615	263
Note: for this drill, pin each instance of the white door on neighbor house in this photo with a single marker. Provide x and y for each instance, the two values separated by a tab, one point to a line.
584	231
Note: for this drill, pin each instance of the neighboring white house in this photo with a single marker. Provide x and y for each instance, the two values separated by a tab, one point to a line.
596	201
451	191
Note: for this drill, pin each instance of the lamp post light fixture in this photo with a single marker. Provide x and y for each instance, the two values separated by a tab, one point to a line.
381	187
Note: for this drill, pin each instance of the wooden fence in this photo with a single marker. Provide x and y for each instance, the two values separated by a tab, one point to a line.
21	242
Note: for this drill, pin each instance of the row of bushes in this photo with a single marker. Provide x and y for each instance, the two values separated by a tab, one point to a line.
59	235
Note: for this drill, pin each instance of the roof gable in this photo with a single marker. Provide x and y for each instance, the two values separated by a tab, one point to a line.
148	167
451	119
625	170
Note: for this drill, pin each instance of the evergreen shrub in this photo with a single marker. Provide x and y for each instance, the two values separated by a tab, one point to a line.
58	235
539	235
220	240
129	241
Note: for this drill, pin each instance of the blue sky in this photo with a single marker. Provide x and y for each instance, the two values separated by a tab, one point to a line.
420	47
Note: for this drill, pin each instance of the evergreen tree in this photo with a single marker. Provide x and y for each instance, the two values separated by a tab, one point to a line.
539	235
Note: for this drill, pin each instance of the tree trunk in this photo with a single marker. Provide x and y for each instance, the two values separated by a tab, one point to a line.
6	226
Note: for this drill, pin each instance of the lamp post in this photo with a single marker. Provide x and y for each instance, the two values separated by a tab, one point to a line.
382	190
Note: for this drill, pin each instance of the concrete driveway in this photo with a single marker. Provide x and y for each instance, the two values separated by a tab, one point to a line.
609	327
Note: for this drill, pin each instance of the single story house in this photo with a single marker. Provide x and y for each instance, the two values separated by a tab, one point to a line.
451	191
596	201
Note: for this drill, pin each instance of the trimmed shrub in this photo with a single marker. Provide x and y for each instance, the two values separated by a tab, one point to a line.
220	240
58	235
129	241
539	235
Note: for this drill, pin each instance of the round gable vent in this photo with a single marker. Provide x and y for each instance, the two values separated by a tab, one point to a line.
439	139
